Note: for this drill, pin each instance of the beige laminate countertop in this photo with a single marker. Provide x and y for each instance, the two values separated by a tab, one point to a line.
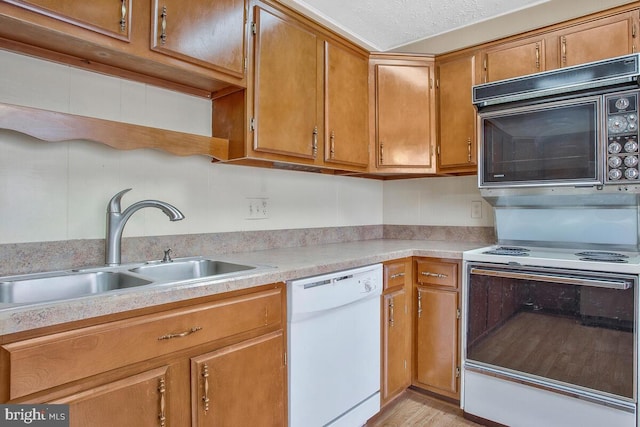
284	264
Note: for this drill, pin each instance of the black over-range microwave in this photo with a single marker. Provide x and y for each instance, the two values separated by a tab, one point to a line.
574	126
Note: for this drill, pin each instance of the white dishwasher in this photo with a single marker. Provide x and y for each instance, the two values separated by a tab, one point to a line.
333	339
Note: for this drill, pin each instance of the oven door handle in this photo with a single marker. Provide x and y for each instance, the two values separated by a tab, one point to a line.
568	280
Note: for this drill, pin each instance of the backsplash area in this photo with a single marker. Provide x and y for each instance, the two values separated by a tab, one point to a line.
20	258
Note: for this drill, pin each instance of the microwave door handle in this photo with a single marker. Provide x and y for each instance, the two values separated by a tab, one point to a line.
568	280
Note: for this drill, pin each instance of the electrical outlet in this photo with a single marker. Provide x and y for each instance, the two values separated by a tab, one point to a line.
476	209
257	208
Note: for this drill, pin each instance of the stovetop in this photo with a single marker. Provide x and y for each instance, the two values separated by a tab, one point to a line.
571	258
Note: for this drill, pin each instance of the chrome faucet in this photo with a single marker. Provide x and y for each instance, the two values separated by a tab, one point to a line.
116	221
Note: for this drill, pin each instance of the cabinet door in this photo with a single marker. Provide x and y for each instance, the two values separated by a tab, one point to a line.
396	344
285	118
210	33
437	340
110	17
514	60
404	106
457	116
140	400
601	39
346	105
241	385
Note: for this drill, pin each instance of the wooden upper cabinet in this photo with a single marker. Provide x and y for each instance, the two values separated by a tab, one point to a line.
346	107
514	59
109	17
577	42
405	112
209	33
456	114
599	39
287	87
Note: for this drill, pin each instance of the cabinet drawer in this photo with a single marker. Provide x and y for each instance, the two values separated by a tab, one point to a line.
439	273
395	273
41	363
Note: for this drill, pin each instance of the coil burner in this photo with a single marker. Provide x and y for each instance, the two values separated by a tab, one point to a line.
508	250
602	256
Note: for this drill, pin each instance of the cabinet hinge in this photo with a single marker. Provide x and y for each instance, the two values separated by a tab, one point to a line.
252	124
253	28
457	371
457	313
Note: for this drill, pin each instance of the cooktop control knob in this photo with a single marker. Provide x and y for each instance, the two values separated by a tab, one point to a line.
615	148
617	124
631	173
630	146
615	174
622	103
630	161
615	161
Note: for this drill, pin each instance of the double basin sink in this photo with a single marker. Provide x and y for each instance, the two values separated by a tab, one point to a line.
41	287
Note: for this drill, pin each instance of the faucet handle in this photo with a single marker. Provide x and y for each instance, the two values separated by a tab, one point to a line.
114	203
167	256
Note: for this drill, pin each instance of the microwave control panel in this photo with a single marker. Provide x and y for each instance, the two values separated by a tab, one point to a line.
622	138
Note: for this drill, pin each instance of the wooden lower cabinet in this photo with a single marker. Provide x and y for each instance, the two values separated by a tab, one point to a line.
396	329
138	400
397	345
240	385
436	326
214	363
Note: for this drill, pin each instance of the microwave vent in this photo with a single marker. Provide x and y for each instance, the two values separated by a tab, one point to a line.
612	73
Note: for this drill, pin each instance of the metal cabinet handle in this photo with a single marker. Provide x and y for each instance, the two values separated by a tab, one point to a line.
564	50
419	304
430	274
123	16
163	25
180	334
314	142
469	149
395	276
333	145
381	153
391	311
538	56
205	397
162	390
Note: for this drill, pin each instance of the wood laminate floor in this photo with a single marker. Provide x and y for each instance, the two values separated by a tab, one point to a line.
414	409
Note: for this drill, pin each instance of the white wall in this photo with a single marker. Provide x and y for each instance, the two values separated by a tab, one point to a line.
435	201
59	191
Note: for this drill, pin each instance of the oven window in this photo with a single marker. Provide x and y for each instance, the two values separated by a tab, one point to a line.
541	145
576	335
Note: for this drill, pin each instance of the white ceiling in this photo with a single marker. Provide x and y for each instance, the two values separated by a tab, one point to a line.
438	26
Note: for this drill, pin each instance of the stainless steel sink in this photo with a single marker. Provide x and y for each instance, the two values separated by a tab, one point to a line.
186	269
65	286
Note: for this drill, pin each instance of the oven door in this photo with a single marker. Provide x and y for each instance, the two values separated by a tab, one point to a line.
552	143
568	331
